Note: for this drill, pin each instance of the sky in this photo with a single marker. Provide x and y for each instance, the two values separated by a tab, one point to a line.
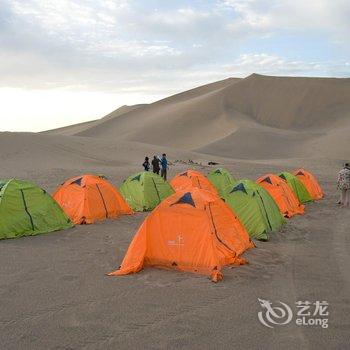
68	61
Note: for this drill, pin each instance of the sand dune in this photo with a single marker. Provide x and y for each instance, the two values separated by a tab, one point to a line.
196	112
256	117
290	102
77	128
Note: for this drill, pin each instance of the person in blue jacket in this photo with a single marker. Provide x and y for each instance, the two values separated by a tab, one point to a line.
164	165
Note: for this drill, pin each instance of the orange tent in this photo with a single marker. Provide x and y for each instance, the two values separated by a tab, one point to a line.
282	194
88	198
189	231
191	178
310	182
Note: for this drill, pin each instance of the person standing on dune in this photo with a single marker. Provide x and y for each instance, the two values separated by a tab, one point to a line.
344	185
164	164
155	165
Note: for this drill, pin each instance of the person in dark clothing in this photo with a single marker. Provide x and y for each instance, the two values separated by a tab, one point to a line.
146	164
164	164
156	165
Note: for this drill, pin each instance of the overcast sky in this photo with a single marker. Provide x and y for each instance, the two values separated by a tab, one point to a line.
66	61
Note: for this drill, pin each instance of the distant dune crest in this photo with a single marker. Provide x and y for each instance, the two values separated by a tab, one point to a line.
256	117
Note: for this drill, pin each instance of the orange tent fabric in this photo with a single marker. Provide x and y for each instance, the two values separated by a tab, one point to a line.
189	231
310	182
282	194
88	198
191	178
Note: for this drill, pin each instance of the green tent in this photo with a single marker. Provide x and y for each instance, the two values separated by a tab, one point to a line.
221	179
255	208
145	190
27	210
297	186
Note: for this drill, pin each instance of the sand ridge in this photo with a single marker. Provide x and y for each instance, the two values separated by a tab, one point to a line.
258	117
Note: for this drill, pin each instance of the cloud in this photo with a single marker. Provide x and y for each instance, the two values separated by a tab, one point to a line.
329	17
131	45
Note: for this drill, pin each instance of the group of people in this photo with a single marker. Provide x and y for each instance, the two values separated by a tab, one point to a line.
344	185
158	165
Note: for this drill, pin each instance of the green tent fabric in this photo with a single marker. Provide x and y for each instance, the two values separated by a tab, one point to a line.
255	208
145	190
297	186
221	179
27	210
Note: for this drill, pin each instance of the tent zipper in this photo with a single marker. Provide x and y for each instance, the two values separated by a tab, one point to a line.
216	231
27	211
267	217
103	200
297	191
156	190
286	196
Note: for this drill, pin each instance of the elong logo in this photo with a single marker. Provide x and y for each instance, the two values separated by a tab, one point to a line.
308	313
274	315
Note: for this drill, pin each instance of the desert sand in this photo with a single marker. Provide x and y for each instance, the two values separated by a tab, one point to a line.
54	293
